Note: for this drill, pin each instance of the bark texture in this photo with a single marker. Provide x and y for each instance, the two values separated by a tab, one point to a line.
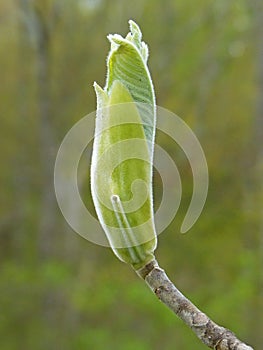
214	336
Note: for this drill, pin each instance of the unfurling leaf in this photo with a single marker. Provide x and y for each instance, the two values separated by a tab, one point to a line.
121	168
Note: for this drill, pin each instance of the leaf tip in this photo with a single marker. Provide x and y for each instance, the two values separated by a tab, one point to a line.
115	38
102	96
135	29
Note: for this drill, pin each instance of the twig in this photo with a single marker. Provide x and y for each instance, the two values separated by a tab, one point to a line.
212	335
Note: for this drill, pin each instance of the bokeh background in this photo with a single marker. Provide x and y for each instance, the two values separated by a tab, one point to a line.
59	291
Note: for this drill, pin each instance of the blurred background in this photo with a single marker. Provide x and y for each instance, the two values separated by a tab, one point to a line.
59	291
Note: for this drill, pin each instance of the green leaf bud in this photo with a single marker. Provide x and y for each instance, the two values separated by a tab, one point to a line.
121	167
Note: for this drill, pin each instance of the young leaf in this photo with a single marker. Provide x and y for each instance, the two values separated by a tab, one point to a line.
121	168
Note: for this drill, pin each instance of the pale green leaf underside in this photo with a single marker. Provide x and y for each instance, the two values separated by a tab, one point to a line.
127	63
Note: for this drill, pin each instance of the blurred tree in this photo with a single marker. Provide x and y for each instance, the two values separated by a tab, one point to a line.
40	19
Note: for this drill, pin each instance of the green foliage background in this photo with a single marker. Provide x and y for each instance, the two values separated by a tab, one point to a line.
59	291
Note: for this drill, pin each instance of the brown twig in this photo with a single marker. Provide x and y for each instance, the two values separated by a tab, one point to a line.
212	335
